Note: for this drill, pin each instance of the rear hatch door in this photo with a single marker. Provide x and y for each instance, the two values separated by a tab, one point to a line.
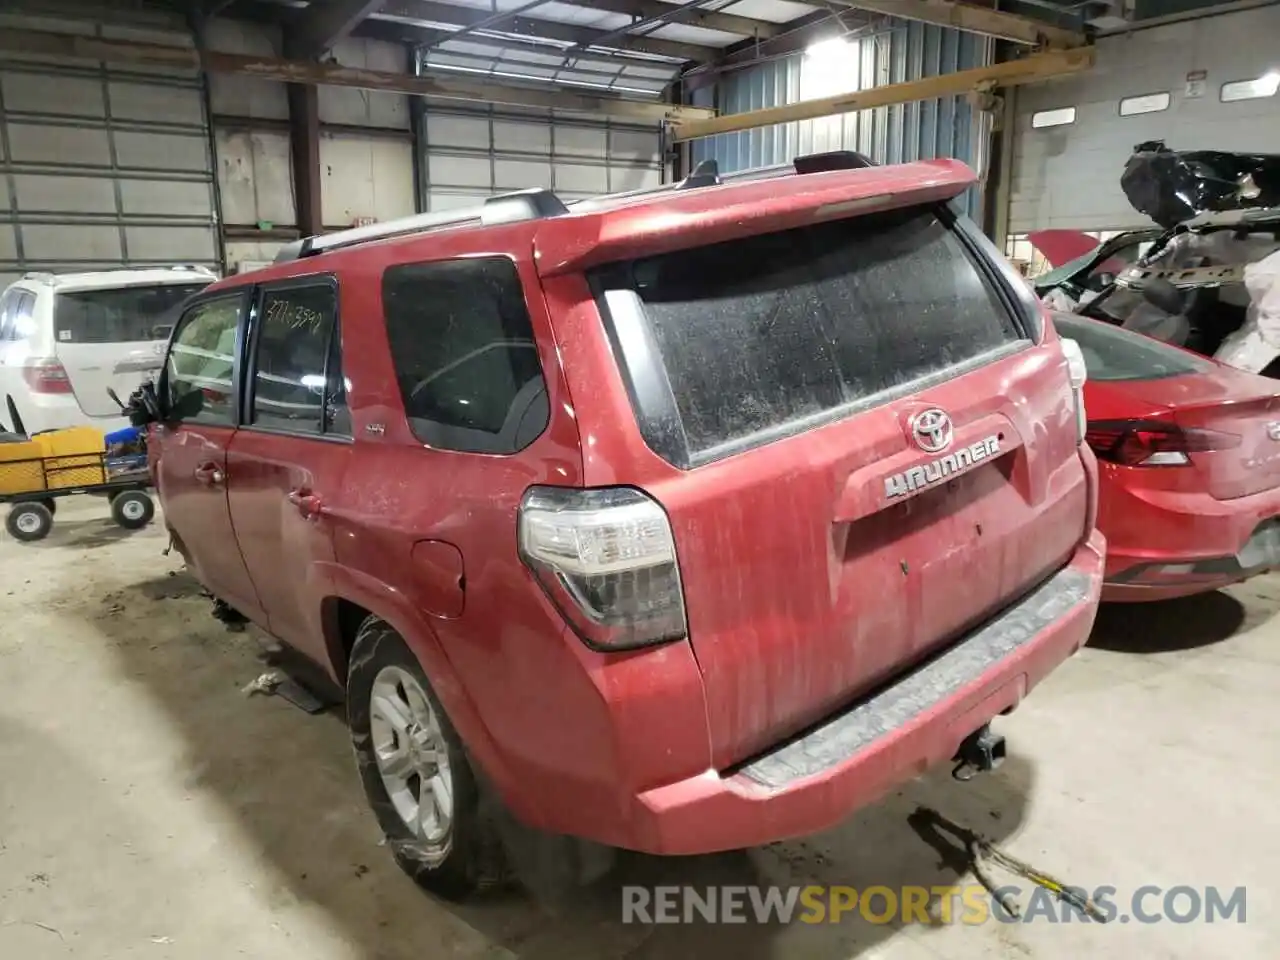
876	456
114	337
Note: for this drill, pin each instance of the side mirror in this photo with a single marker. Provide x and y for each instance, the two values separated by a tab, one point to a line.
144	405
1164	295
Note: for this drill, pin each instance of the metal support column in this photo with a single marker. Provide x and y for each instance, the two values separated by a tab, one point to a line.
304	146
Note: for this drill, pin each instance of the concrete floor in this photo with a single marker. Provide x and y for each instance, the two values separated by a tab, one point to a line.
149	808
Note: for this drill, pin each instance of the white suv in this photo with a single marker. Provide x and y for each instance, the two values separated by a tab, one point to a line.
66	338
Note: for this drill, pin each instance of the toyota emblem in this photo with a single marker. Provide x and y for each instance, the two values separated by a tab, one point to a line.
1273	429
931	430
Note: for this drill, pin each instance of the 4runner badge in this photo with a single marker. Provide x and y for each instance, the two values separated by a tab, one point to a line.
927	474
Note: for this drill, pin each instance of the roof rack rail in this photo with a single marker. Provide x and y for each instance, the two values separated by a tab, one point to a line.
705	174
533	204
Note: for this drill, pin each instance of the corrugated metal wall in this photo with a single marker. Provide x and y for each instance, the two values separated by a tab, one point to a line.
947	127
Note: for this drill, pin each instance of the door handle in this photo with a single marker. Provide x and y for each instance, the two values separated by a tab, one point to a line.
210	475
308	504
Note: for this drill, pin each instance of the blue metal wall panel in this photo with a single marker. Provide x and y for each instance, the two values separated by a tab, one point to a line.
911	131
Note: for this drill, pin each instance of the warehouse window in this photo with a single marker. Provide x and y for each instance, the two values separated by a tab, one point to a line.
1264	86
1147	103
1053	118
465	358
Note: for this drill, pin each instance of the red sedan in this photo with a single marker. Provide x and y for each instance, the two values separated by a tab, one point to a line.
1189	463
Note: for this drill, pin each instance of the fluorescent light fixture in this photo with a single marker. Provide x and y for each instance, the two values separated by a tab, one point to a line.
836	47
830	67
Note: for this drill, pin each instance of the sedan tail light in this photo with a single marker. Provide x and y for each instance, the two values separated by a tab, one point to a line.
46	375
607	559
1153	443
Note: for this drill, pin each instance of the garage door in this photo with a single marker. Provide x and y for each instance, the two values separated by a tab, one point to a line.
1201	84
102	168
473	153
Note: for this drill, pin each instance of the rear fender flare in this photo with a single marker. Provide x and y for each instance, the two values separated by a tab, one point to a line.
391	605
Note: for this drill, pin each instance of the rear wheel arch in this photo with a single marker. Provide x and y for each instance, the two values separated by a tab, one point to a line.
342	618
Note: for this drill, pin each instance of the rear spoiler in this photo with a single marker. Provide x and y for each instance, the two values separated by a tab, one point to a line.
755	203
707	174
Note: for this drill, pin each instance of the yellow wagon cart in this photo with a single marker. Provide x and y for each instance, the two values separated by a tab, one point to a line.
35	472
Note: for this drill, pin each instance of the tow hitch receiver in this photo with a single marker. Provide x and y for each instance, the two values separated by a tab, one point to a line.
982	750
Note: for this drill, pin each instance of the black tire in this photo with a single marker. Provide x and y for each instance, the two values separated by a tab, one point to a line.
132	509
471	860
29	521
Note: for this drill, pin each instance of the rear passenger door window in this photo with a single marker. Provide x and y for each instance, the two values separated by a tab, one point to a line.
464	354
17	307
297	384
199	374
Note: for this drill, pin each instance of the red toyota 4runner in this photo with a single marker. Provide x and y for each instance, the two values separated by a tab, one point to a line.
685	520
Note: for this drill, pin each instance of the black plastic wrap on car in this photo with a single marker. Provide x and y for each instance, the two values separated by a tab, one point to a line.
1171	186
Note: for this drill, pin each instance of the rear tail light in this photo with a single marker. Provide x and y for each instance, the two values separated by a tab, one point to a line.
1077	375
1153	443
46	376
607	559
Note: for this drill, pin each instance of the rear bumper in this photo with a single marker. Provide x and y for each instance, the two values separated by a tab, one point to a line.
817	779
1163	544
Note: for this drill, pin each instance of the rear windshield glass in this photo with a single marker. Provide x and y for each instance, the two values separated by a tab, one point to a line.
761	334
1111	353
121	315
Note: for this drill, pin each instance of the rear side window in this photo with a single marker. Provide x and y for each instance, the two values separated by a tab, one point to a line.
123	315
464	354
1111	353
17	312
297	381
762	336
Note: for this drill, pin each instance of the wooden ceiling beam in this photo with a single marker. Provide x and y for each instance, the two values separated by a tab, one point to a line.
1030	69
